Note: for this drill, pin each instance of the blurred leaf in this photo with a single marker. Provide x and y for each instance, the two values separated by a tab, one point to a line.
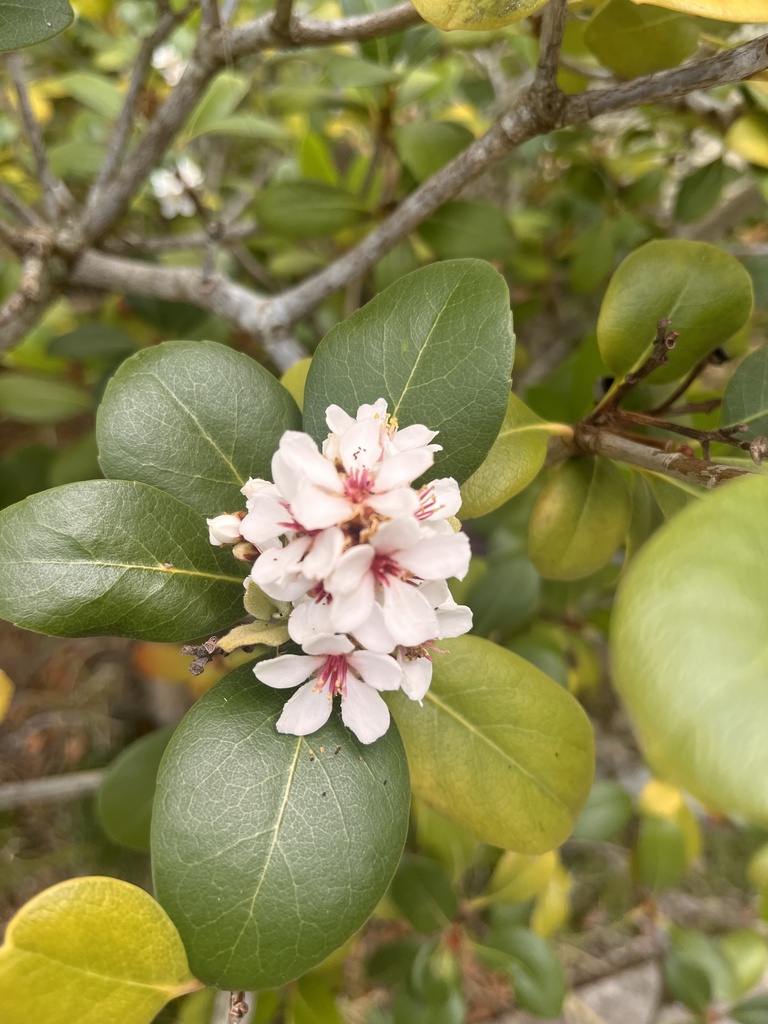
751	1011
606	813
41	399
311	1001
23	472
748	136
700	191
6	693
518	877
92	341
442	840
704	674
552	907
423	893
468	228
688	982
294	380
515	458
747	954
708	954
247	821
307	209
349	72
534	968
703	291
476	16
392	962
26	22
219	101
726	10
506	597
513	730
658	859
91	944
245	126
426	146
97	92
579	520
127	792
671	495
78	461
632	41
407	1008
746	396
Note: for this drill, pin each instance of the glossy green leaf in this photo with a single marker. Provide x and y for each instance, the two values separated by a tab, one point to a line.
425	146
606	813
26	22
468	227
474	16
117	558
689	656
534	968
579	520
195	419
658	858
517	455
269	851
438	345
634	41
705	293
126	795
498	747
307	209
422	892
746	397
92	948
40	399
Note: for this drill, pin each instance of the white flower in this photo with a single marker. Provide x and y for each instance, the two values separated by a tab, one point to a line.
168	61
334	667
224	529
170	188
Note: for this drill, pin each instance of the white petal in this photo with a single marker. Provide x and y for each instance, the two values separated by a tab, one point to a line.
397	535
408	615
415	436
360	446
316	508
254	486
328	643
377	411
417	675
338	421
373	634
326	549
364	712
438	556
308	620
400	503
287	670
224	529
349	610
266	520
436	592
305	712
440	498
453	619
351	569
380	671
403	468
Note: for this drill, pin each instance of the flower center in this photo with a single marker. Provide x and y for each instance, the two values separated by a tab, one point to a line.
334	674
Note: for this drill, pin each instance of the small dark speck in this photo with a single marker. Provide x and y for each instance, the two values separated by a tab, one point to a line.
311	757
556	754
336	751
385	782
324	793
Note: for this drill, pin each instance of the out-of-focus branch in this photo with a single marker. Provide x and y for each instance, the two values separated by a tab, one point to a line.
18	207
282	19
54	789
15	64
551	43
136	246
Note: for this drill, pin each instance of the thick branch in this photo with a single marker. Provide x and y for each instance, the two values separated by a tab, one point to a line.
599	441
53	789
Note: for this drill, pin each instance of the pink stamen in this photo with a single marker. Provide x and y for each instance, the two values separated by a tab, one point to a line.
334	673
428	503
358	485
385	568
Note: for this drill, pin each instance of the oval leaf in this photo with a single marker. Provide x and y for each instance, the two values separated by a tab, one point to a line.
94	948
475	15
703	291
126	795
269	851
517	455
746	397
438	345
307	209
26	22
634	41
721	10
195	419
689	649
117	558
579	520
498	747
41	400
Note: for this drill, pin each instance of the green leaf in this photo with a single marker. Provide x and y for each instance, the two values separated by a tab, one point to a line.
426	146
517	455
438	345
747	954
703	291
423	893
117	558
126	795
658	859
408	1008
746	396
512	731
312	1002
506	597
634	41
689	655
468	227
724	10
97	92
475	15
349	72
671	495
26	22
534	968
245	126
93	948
92	342
269	851
219	102
700	191
606	813
748	136
307	209
40	399
519	877
195	419
751	1011
579	520
78	461
688	982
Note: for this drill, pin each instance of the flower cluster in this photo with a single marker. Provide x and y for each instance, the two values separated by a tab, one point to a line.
362	556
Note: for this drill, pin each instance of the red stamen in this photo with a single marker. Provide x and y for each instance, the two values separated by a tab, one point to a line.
334	673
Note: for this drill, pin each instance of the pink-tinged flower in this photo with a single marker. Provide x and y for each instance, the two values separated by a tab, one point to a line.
391	439
224	529
334	667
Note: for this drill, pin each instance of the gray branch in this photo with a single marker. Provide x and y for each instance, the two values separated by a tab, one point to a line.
54	789
15	64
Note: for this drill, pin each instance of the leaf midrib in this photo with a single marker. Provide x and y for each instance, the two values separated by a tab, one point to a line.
123	565
174	989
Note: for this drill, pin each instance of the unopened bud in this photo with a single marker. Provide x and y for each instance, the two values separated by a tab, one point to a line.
224	529
245	551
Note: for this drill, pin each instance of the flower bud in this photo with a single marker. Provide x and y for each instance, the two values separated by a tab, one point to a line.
224	529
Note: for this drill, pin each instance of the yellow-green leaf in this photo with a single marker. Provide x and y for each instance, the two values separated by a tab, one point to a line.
498	747
88	950
720	10
515	458
6	694
634	41
294	380
748	136
477	16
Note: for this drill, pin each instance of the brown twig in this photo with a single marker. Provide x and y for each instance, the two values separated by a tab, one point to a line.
718	356
282	19
722	436
663	343
238	1007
